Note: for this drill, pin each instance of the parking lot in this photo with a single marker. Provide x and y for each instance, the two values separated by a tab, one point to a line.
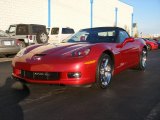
133	95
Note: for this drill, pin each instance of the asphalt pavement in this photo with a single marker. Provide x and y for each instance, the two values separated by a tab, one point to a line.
133	95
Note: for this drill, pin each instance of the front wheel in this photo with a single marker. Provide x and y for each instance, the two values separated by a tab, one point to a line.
104	71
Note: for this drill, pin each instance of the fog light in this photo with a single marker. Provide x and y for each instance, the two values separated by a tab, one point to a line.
74	75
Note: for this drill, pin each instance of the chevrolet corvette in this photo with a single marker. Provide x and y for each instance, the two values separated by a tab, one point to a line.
89	56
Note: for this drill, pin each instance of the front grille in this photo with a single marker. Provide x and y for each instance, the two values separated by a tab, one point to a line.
40	75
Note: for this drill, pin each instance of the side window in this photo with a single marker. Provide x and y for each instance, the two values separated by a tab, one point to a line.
122	36
22	30
55	31
36	28
67	31
12	29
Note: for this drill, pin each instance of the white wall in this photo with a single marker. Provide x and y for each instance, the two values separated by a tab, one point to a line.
125	16
72	13
23	11
104	12
76	13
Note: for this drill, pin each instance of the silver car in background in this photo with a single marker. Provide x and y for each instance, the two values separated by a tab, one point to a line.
8	45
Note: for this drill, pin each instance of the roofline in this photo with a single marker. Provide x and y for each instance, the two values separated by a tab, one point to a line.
27	24
119	28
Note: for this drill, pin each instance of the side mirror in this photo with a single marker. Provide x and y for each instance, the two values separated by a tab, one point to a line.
125	41
129	40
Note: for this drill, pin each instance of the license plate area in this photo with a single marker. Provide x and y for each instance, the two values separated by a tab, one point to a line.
40	75
7	43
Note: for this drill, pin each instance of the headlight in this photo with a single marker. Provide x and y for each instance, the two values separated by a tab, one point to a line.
81	52
21	52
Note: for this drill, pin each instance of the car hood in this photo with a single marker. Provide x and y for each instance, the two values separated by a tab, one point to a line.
56	49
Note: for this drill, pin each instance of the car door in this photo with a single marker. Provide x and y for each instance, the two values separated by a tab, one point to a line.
126	50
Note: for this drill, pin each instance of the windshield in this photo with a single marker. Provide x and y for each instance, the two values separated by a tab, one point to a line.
94	36
3	34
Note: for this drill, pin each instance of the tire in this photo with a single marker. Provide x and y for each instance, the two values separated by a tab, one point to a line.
104	71
17	85
143	59
22	45
42	37
149	47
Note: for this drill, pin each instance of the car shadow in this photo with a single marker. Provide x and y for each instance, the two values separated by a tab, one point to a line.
9	101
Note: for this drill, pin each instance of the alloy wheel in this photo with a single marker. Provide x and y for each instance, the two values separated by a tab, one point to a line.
144	58
105	72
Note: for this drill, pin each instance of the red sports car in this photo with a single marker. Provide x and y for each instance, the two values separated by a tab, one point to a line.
151	44
89	56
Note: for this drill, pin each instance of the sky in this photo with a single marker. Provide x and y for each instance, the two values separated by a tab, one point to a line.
146	15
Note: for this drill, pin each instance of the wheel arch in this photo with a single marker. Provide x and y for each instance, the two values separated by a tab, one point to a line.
111	55
145	47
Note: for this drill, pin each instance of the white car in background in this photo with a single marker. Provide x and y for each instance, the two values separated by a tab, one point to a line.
58	34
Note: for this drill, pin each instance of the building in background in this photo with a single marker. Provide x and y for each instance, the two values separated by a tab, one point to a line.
76	13
71	13
23	11
135	30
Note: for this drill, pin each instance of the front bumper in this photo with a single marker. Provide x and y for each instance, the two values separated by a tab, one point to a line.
40	73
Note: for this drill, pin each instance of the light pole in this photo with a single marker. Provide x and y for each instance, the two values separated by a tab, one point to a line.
116	16
132	25
91	13
49	13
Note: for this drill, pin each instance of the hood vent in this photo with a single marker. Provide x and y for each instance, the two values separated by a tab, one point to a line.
38	57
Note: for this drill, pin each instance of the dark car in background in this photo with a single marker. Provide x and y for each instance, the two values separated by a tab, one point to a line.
8	45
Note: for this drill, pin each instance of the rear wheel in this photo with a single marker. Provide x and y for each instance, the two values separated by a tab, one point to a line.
42	37
149	47
143	59
104	71
22	44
